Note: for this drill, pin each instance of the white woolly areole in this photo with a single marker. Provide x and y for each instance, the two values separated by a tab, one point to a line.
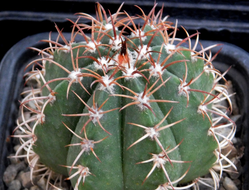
152	26
96	115
52	98
159	160
143	101
40	117
156	70
137	34
51	57
202	109
83	171
43	71
208	69
92	46
169	48
209	133
74	76
116	43
108	26
182	89
37	76
193	57
66	48
103	63
151	132
132	55
44	61
144	52
87	145
109	86
129	73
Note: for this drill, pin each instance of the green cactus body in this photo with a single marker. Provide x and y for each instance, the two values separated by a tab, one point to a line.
128	112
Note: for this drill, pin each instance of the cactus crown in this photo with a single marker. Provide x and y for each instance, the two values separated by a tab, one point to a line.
126	111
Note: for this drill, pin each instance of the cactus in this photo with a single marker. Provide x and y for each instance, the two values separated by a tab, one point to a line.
128	107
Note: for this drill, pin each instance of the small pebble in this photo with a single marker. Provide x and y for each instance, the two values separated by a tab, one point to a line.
15	185
57	187
237	182
235	117
229	148
13	160
9	174
34	188
16	141
41	183
208	181
235	174
229	184
18	177
25	180
21	166
221	188
16	149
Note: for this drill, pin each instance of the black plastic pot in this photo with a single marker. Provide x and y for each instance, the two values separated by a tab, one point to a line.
220	20
11	84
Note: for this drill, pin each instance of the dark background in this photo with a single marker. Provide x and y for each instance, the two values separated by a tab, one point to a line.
218	20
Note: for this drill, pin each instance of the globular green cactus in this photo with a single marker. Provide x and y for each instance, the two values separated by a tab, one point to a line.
126	111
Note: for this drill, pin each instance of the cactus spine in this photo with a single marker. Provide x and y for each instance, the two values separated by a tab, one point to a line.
117	111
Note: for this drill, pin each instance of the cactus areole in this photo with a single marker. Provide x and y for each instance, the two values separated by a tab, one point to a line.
128	107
